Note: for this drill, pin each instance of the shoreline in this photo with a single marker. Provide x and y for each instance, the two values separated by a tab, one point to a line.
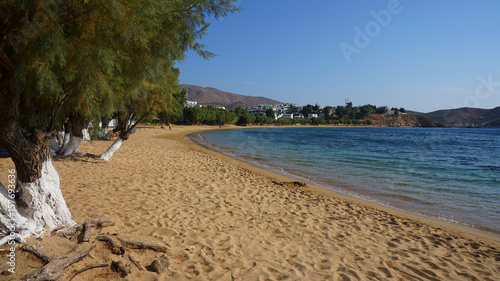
223	219
486	236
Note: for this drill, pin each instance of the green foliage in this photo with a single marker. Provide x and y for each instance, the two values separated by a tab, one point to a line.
340	111
382	110
318	121
364	111
246	118
207	115
173	111
327	111
270	113
306	110
395	110
96	57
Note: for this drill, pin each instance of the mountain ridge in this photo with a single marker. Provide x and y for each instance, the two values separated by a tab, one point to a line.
464	117
215	97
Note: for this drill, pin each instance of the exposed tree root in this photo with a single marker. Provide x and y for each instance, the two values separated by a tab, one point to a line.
85	234
44	257
70	231
143	245
55	268
87	268
136	263
115	248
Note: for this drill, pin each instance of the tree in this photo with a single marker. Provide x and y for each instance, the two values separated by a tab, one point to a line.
402	110
364	111
340	111
395	110
55	54
382	110
270	113
327	111
172	112
306	110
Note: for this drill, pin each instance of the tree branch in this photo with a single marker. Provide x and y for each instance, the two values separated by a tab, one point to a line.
76	16
6	61
87	268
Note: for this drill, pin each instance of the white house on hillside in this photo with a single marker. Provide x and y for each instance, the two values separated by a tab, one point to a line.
190	103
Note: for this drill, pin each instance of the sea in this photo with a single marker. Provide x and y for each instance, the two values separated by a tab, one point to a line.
450	174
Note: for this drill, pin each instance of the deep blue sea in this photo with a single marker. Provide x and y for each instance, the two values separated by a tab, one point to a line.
451	174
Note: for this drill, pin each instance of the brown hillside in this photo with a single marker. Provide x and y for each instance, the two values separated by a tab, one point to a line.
215	97
403	120
457	117
463	117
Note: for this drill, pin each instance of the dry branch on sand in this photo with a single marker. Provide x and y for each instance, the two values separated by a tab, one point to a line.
54	268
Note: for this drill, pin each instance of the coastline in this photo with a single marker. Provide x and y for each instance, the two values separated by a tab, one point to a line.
224	219
475	234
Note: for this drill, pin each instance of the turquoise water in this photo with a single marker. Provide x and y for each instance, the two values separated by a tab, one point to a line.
444	173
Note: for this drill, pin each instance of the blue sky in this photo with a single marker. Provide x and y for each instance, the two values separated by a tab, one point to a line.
421	55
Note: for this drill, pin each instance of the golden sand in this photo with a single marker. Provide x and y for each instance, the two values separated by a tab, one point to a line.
226	220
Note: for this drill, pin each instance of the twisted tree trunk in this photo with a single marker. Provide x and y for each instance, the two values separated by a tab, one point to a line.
40	202
78	124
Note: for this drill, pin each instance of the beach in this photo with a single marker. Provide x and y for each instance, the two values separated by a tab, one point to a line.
225	220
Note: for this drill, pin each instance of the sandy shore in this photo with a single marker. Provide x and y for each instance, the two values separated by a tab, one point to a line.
225	220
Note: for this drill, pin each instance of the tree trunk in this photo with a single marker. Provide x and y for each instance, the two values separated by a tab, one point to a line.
66	136
112	149
54	146
76	137
40	203
125	127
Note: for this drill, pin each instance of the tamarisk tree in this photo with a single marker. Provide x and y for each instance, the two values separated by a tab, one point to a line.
57	53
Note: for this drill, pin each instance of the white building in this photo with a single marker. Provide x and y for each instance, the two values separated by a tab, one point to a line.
312	115
190	103
287	116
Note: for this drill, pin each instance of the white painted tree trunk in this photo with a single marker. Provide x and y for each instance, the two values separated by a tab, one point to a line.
66	138
112	149
42	206
86	134
54	146
71	146
104	132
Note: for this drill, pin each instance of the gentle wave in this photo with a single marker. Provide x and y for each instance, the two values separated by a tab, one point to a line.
447	173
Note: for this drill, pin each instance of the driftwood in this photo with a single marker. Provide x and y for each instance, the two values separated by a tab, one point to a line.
136	263
118	266
55	268
87	268
143	245
44	257
115	248
85	234
72	230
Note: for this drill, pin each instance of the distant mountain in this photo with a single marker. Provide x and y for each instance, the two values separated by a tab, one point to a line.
464	117
403	120
215	97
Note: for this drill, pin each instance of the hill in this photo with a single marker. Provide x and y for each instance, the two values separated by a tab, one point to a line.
403	120
215	97
464	117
